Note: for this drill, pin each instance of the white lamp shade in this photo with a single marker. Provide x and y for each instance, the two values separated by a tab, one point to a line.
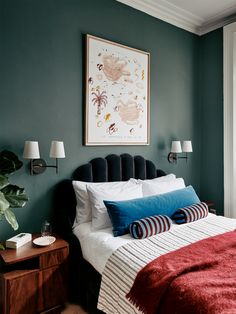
187	147
31	150
176	147
57	150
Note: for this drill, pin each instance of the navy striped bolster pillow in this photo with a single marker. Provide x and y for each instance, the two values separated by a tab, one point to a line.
190	213
149	226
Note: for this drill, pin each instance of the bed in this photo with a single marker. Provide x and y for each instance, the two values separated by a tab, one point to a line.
121	258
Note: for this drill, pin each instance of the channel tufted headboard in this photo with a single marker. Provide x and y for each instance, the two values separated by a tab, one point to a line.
111	168
117	168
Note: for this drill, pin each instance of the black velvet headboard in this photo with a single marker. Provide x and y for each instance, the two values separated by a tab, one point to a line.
84	281
111	168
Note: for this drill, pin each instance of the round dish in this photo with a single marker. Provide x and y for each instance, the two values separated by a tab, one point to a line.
44	241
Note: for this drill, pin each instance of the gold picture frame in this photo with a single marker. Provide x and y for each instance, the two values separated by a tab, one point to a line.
117	94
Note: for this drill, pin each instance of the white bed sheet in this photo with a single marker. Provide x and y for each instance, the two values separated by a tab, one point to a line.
97	246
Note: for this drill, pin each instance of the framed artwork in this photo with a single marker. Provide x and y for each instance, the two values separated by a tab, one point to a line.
117	94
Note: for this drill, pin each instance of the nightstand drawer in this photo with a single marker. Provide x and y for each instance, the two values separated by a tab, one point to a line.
55	279
53	258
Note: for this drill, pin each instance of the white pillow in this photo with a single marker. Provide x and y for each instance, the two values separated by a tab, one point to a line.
83	208
168	177
154	187
83	211
118	192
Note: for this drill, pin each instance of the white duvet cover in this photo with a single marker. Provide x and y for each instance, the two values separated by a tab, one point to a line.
97	246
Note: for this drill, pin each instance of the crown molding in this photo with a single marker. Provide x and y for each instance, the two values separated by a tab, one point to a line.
167	12
176	16
215	23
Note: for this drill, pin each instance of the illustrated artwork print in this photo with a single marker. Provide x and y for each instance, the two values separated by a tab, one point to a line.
117	94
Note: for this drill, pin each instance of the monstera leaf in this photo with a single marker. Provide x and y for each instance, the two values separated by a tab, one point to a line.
11	196
4	204
11	218
3	181
9	215
15	196
9	162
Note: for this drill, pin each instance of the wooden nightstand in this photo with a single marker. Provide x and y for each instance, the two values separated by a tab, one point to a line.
33	279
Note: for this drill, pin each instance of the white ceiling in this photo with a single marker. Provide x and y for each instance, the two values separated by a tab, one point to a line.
196	16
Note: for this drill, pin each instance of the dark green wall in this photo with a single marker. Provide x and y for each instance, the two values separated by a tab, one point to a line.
211	119
42	90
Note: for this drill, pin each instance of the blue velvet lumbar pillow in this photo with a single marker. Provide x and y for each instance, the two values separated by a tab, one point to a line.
149	226
190	213
123	213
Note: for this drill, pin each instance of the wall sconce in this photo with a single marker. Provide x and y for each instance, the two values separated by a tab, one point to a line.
38	165
176	149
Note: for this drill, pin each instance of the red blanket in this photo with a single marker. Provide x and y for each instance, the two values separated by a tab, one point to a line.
197	279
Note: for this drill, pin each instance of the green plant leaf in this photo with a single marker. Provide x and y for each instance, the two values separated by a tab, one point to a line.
11	218
2	247
9	162
15	196
3	181
4	204
10	195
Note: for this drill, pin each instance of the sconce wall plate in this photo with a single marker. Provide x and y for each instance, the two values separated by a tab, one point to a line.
172	158
38	166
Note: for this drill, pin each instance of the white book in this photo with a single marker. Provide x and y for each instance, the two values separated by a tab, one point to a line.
18	240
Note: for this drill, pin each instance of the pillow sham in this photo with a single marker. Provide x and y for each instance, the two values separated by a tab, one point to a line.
146	227
190	213
83	209
168	177
123	213
116	192
156	187
83	212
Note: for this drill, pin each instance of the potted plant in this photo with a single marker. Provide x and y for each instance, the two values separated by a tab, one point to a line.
11	196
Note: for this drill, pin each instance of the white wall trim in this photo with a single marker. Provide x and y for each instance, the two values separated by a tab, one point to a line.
174	15
215	23
229	120
167	12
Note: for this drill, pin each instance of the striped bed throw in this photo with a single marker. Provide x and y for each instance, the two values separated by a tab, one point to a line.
190	213
146	227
